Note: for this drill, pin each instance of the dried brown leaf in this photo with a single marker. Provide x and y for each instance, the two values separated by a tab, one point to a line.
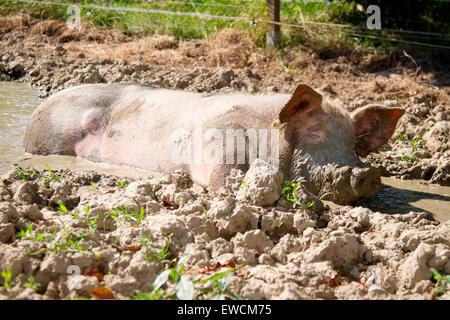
133	247
95	273
103	293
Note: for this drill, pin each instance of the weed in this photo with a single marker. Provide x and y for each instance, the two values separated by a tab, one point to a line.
279	222
62	207
92	222
325	194
131	215
113	214
32	284
445	130
122	184
442	286
53	177
23	174
291	192
408	159
75	214
403	137
415	144
68	242
218	284
187	288
8	280
25	234
164	253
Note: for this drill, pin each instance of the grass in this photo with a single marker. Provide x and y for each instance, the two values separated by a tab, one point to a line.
122	184
292	197
32	284
442	285
62	207
92	222
215	287
163	254
68	242
416	143
94	186
132	215
53	177
296	12
23	174
30	173
290	191
8	280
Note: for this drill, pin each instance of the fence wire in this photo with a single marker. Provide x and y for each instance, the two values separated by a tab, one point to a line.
353	30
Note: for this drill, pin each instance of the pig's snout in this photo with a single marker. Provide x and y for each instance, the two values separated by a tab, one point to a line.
348	184
365	182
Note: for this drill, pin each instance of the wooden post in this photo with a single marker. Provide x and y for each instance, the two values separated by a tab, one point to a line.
273	36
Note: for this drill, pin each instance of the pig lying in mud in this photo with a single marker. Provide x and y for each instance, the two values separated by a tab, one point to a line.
164	130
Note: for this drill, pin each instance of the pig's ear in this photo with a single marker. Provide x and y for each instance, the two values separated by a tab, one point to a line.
373	126
304	99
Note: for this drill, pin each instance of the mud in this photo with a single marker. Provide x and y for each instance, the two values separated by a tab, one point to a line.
38	52
315	253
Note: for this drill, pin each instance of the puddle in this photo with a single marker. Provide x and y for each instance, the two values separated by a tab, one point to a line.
403	196
17	102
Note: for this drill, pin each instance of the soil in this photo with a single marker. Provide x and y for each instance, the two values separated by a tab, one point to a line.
47	54
313	253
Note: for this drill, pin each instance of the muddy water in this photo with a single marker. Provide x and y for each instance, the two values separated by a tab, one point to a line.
18	100
403	196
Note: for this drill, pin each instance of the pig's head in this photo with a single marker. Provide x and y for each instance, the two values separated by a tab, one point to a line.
326	141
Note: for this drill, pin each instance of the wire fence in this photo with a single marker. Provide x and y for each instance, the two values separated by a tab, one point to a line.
204	17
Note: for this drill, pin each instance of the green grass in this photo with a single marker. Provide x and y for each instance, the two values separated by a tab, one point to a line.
53	177
32	284
69	242
133	216
122	184
23	174
187	27
415	143
442	285
163	254
215	287
8	280
62	207
292	197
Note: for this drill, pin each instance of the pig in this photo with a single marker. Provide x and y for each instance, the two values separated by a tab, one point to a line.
142	126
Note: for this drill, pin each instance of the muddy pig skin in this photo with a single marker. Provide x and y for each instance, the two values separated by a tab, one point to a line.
141	126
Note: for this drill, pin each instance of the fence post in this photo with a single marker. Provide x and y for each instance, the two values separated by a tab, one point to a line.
273	36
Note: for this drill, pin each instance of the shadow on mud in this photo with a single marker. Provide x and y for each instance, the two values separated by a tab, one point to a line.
403	196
